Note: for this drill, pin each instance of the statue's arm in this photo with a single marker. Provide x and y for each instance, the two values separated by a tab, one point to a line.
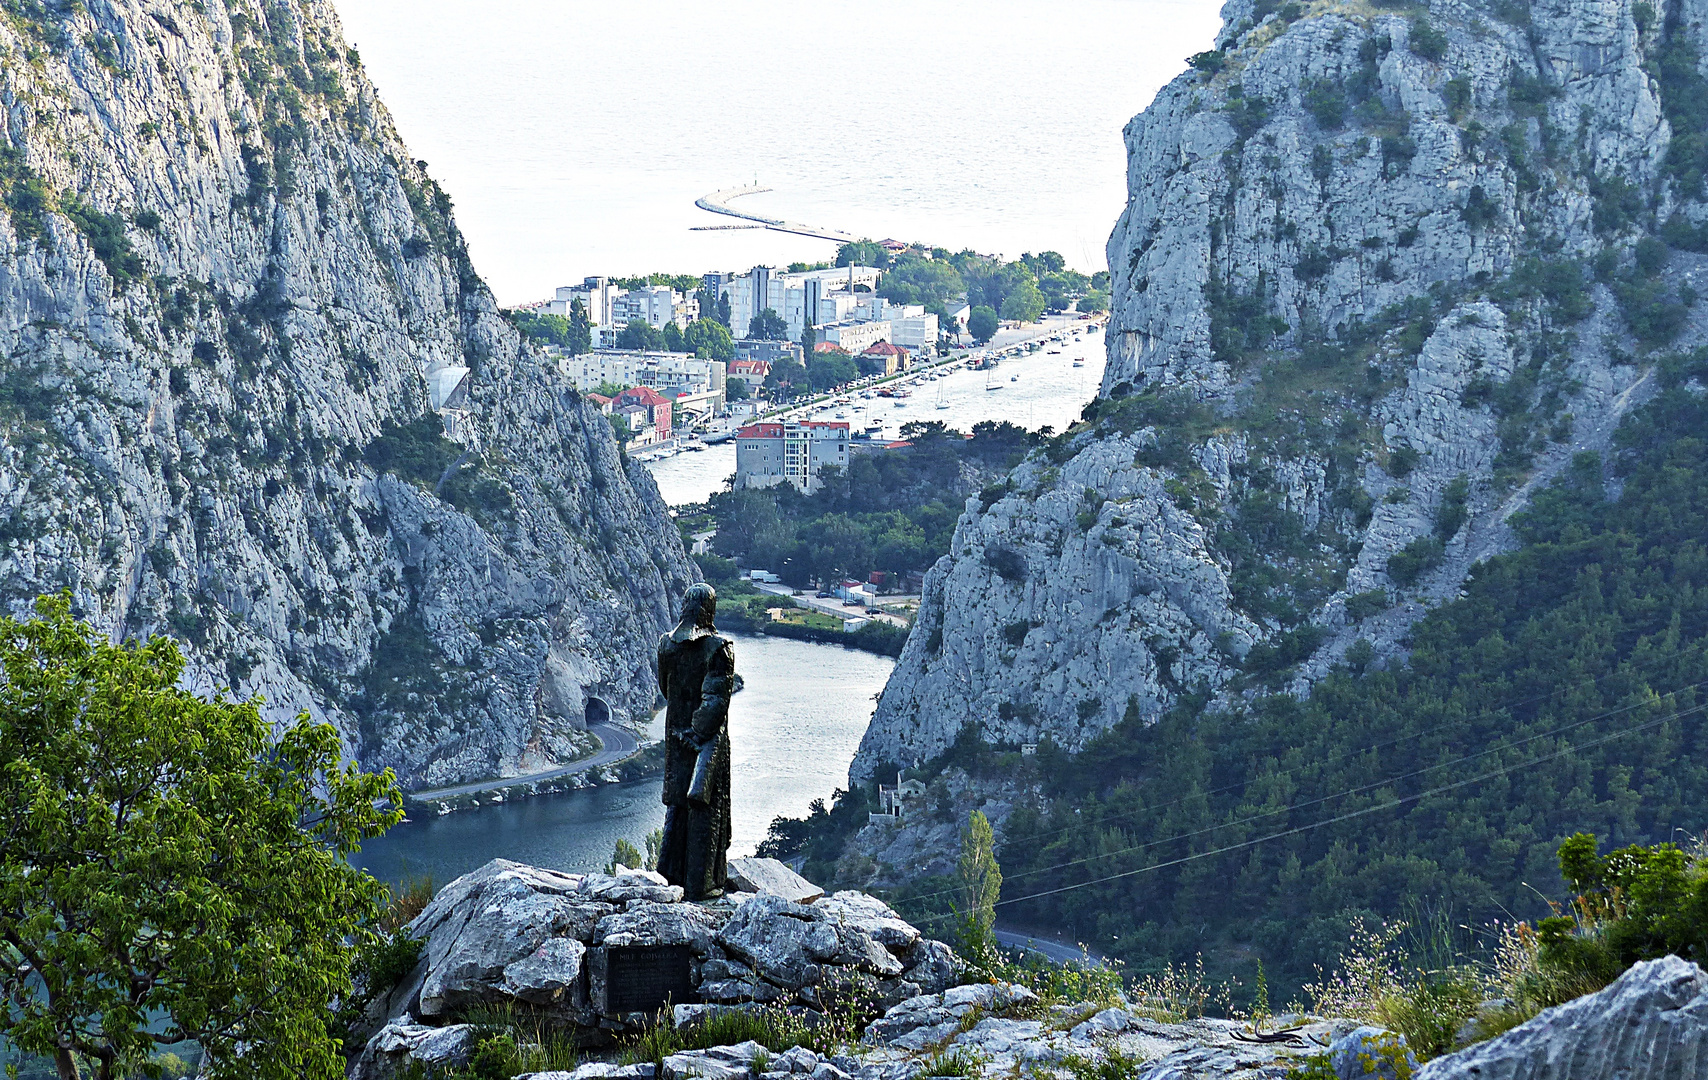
661	669
715	690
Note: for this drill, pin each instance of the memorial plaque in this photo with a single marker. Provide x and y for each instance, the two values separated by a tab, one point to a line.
647	978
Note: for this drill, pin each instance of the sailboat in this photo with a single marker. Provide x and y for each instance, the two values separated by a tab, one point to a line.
988	385
941	404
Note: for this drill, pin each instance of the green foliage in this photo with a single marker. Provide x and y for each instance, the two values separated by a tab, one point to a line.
1452	514
1361	606
573	334
768	325
417	450
640	334
1414	560
1601	609
1242	324
169	858
625	854
1208	62
982	323
1635	903
980	886
862	253
953	1061
1325	99
1024	304
891	512
1426	40
1675	64
709	339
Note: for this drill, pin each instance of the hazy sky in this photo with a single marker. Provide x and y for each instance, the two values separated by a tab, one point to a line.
574	137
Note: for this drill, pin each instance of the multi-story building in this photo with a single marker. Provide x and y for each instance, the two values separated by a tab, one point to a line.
776	452
806	297
656	407
654	305
856	337
767	352
597	294
673	372
910	326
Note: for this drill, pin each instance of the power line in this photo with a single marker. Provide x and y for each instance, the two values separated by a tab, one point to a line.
1391	804
1313	802
1396	740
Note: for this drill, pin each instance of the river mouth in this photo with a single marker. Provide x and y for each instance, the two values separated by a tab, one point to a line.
793	731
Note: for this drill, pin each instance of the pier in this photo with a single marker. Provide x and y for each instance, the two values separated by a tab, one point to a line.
718	203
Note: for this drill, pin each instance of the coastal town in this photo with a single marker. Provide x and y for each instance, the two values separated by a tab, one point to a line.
679	362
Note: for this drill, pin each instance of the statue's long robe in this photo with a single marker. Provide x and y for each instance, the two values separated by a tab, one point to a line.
695	675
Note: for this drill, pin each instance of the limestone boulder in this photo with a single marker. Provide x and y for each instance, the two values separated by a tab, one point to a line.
1651	1023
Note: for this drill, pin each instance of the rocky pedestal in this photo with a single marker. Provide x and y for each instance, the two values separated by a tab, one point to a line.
586	951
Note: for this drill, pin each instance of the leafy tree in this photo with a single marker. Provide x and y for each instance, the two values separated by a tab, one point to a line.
640	334
862	253
831	369
914	279
169	860
1094	302
1023	305
673	340
982	323
787	374
809	340
709	339
625	854
580	329
768	326
981	885
735	389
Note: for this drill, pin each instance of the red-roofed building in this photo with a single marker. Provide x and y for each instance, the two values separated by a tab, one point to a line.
602	401
750	369
775	452
657	408
882	357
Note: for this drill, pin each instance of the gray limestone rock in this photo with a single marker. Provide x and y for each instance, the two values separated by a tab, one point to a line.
772	876
1099	586
397	1045
202	453
1651	1023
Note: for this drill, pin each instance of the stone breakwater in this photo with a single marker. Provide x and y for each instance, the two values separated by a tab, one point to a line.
510	934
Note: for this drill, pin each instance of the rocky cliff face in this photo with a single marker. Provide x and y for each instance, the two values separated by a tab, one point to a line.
254	396
1383	270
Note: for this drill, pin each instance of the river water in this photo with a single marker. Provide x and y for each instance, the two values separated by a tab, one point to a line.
575	135
793	729
1036	390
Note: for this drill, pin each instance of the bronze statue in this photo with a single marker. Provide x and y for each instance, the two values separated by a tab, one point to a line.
696	670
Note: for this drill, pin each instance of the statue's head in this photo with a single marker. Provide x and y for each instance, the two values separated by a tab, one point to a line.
700	606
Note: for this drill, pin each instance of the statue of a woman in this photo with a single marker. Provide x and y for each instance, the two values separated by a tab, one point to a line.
696	669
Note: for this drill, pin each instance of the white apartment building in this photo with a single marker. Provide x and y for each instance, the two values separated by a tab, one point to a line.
771	453
856	337
654	305
910	327
596	293
799	297
680	373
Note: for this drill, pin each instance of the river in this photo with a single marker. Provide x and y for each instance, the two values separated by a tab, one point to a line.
1036	390
793	729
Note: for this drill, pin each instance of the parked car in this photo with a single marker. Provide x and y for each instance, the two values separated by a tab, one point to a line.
822	595
874	611
850	603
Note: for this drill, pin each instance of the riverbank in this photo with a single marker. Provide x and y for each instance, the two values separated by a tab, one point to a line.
621	757
794	728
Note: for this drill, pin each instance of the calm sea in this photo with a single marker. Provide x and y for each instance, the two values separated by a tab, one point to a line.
574	136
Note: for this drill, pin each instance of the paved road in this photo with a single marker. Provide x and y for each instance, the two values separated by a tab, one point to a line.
615	745
1055	950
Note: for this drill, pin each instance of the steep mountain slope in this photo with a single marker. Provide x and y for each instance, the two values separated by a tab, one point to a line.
1383	270
232	306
